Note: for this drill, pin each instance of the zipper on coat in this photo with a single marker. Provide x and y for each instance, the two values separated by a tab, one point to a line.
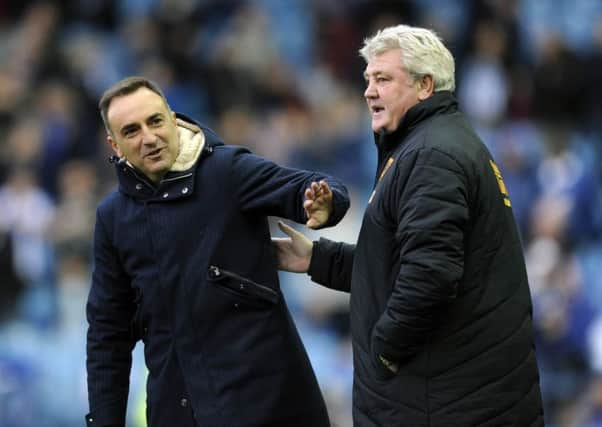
382	154
267	292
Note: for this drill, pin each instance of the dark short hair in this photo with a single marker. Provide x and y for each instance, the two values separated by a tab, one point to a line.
125	87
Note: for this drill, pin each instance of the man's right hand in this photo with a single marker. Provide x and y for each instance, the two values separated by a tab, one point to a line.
293	252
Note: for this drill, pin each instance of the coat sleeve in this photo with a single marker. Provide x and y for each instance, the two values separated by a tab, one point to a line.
266	188
431	205
331	264
110	309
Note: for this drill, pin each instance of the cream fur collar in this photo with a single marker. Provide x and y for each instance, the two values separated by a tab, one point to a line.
192	141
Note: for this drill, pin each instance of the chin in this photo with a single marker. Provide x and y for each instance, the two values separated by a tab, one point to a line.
379	128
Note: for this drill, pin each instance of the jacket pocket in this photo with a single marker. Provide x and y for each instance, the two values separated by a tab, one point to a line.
242	287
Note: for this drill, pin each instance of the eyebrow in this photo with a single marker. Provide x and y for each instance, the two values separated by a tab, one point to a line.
155	116
133	126
125	129
375	73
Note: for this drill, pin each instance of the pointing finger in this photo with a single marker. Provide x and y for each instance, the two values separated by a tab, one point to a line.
287	229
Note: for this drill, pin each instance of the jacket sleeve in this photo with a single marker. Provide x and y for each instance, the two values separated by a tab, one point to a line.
431	205
266	188
331	264
109	311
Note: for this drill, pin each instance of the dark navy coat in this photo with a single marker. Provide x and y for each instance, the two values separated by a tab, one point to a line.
187	267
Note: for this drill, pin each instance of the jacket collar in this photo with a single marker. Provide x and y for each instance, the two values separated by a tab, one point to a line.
443	102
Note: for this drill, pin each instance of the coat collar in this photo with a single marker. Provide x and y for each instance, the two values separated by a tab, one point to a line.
442	102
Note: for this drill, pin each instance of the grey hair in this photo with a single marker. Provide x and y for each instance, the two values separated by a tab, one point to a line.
422	53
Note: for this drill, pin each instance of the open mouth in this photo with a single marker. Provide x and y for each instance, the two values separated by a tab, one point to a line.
153	153
377	109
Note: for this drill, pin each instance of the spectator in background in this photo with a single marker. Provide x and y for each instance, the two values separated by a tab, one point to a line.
182	262
12	285
27	216
75	211
559	83
440	303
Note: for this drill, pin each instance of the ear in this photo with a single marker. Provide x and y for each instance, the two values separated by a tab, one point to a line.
425	87
113	144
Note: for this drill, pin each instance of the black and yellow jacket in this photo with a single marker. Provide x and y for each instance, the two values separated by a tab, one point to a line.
438	284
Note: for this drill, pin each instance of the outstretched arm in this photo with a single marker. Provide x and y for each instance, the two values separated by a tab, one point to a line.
264	188
327	263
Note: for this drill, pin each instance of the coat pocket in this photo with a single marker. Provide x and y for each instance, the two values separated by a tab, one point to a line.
246	289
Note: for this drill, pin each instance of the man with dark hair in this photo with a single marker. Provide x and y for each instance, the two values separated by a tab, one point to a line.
183	262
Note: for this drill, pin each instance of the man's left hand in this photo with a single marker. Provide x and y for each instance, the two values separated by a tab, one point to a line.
318	204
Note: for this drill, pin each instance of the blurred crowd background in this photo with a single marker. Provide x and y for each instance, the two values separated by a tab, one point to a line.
284	78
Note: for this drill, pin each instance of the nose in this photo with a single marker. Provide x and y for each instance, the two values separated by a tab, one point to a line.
370	91
148	137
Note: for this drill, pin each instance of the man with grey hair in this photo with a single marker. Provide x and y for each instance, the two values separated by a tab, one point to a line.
440	303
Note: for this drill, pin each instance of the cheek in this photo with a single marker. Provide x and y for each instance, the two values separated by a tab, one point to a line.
398	109
394	101
403	105
175	145
130	151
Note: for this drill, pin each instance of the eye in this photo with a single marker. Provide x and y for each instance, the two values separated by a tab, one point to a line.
156	121
129	132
